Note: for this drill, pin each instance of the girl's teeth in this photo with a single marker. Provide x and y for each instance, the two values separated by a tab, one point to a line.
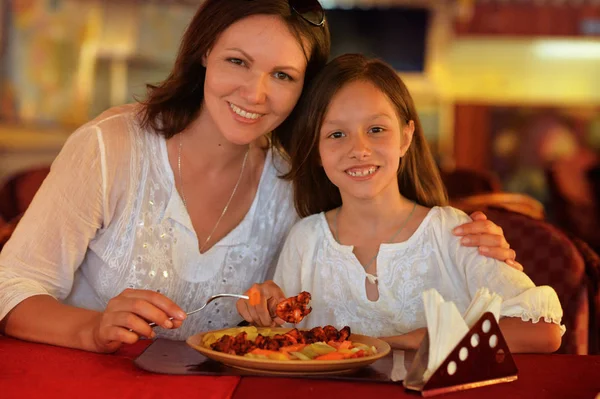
363	172
243	113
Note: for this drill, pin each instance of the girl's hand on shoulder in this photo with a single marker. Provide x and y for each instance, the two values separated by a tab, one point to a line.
127	315
489	237
260	308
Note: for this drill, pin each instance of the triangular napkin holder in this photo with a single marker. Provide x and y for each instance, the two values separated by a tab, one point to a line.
474	362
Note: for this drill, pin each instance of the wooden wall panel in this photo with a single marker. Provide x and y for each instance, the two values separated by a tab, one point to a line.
472	138
527	19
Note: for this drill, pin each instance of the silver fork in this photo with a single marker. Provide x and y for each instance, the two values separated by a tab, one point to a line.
212	298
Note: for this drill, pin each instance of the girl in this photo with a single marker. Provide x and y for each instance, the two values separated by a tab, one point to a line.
377	231
151	208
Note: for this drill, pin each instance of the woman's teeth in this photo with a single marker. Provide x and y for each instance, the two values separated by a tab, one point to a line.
362	172
243	113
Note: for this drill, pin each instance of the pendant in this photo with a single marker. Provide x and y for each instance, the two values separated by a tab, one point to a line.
372	279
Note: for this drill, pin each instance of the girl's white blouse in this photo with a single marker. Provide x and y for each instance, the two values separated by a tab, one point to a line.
108	217
312	260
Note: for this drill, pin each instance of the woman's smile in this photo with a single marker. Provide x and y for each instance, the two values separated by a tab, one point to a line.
243	115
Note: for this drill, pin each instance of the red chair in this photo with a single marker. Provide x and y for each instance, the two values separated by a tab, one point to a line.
592	270
576	214
18	191
520	203
551	258
462	183
15	196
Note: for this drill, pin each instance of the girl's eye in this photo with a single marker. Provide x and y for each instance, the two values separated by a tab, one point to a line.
376	129
236	61
337	135
282	76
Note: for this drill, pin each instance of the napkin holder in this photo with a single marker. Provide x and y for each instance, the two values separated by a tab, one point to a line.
478	360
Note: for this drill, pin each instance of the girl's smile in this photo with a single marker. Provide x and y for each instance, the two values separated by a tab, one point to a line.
364	172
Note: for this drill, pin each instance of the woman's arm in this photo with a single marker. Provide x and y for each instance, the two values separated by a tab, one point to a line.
521	336
40	259
39	262
41	318
525	308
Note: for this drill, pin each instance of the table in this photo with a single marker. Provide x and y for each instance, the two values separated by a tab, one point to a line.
29	370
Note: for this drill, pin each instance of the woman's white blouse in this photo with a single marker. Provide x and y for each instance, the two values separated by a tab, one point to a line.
312	260
108	217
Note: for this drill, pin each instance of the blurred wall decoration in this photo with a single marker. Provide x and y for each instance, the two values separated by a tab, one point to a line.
528	141
481	64
67	60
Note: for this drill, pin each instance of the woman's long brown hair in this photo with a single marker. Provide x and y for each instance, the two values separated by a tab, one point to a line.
418	175
173	104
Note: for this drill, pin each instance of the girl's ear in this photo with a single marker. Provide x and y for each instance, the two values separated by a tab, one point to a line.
407	135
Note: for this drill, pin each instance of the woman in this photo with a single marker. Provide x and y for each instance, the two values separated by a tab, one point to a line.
151	208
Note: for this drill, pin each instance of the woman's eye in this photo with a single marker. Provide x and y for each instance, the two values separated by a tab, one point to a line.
282	76
236	61
376	129
337	135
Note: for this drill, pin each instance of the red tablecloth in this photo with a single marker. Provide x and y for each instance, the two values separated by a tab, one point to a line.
30	370
540	377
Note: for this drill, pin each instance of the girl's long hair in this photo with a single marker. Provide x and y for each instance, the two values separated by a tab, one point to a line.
418	175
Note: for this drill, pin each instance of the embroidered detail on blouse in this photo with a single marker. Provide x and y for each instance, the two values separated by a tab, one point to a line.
431	258
137	245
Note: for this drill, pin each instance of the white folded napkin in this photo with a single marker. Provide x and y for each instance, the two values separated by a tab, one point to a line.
446	327
482	302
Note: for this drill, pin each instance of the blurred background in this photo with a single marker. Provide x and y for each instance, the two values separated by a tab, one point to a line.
508	92
509	89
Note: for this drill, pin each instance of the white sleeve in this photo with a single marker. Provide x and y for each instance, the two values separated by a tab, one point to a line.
288	274
521	298
52	238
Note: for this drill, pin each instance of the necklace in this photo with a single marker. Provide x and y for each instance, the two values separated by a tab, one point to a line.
372	279
228	201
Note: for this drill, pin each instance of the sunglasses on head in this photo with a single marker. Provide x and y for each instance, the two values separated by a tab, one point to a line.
309	10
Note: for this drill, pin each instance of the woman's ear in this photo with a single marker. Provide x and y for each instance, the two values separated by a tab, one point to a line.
407	135
204	58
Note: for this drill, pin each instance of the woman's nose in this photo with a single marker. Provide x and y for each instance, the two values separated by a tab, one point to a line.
255	90
360	147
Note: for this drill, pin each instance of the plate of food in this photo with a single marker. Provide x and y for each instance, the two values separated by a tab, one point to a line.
289	351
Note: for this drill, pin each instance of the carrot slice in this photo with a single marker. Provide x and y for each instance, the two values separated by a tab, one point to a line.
331	356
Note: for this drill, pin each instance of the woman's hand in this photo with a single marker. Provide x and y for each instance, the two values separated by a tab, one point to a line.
260	308
489	237
127	315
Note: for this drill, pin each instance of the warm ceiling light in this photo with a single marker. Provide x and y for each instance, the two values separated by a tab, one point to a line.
567	49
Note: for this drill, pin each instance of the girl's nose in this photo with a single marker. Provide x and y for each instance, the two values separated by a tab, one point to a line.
255	90
360	147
